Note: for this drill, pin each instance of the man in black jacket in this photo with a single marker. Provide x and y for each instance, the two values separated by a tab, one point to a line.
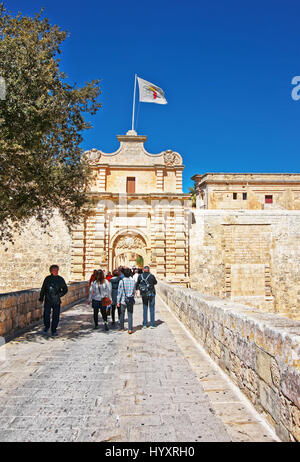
145	284
53	288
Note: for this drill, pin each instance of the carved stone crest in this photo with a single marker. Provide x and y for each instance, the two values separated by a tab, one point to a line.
93	156
172	158
130	243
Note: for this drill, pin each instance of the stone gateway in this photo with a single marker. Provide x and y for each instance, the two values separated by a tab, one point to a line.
140	213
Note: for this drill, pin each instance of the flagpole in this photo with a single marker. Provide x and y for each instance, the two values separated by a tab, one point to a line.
133	110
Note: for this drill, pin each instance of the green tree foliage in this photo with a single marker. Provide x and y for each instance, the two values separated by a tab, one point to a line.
41	121
139	261
193	196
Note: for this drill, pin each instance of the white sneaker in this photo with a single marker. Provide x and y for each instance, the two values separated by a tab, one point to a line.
152	327
144	327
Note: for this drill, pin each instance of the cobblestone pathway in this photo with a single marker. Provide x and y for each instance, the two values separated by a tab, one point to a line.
86	385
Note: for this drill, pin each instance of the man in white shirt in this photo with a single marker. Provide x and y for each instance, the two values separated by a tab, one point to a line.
126	292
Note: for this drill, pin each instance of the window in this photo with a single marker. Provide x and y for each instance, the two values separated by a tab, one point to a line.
130	186
234	195
269	199
244	196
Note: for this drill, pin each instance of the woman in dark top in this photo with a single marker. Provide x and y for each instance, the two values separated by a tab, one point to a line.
115	284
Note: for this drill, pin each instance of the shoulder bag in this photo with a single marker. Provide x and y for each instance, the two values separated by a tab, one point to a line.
105	301
129	301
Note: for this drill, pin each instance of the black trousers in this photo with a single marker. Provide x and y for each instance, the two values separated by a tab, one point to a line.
98	306
113	309
55	316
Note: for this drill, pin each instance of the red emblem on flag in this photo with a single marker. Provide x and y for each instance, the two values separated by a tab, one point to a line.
154	92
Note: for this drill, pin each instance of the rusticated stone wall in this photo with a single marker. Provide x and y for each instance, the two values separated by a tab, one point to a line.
259	351
22	309
252	257
25	264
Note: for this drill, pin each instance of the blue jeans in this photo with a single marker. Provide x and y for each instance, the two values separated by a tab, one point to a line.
55	316
122	318
149	302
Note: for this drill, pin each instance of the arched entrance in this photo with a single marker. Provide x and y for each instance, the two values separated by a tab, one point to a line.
129	249
130	259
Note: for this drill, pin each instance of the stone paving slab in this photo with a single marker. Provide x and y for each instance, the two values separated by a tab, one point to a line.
88	385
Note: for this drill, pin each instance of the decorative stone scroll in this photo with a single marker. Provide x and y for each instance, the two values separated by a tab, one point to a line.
172	158
93	156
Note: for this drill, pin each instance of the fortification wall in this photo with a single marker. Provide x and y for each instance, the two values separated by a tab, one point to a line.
25	264
251	257
259	351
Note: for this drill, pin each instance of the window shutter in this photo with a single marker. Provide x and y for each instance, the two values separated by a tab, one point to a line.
130	187
268	199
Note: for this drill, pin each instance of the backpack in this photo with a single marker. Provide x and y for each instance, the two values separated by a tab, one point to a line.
145	287
129	301
53	295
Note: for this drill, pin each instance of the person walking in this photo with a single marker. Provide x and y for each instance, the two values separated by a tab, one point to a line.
145	284
114	294
54	287
125	299
136	276
109	276
92	278
100	295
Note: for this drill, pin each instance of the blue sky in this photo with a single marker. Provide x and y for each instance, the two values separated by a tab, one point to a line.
225	66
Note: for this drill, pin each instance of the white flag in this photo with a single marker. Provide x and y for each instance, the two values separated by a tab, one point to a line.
150	93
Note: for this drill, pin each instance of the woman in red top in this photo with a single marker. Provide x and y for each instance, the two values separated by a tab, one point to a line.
108	276
92	278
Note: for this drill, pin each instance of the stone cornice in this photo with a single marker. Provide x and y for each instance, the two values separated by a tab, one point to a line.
142	195
129	138
247	182
138	167
246	178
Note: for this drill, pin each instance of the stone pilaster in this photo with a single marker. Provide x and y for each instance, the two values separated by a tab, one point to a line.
170	245
99	239
101	179
159	180
160	243
105	260
89	265
178	181
77	251
152	250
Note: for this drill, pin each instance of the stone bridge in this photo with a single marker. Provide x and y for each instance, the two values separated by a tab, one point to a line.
211	370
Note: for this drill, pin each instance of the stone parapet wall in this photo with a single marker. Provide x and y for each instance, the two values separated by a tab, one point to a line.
19	310
259	351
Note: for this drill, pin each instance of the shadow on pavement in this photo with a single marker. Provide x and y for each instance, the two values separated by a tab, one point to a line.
75	322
